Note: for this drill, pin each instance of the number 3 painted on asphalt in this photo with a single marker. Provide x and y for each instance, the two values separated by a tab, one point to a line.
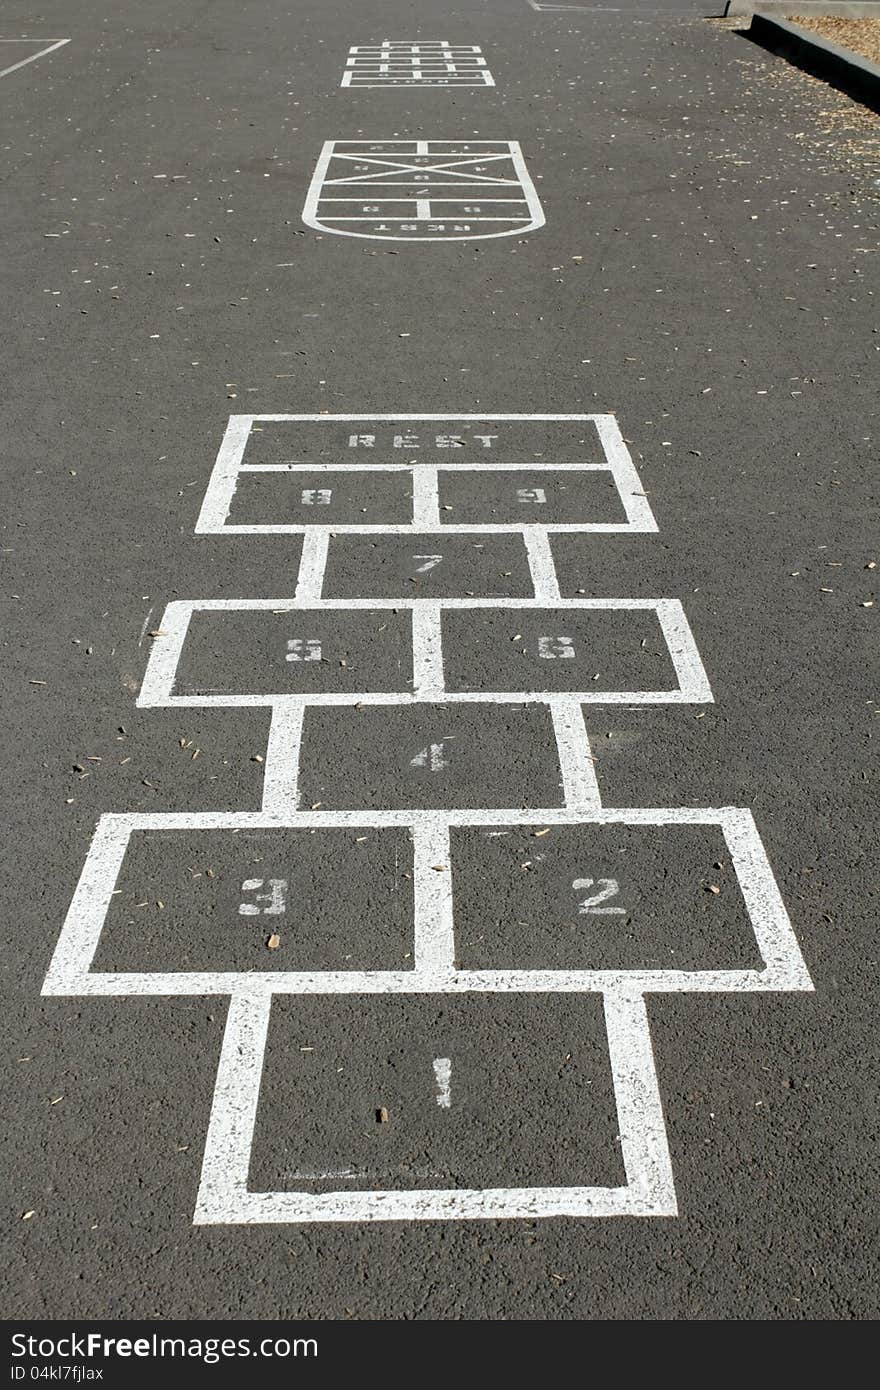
275	899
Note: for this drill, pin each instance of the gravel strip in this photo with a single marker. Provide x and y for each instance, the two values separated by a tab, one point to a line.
862	36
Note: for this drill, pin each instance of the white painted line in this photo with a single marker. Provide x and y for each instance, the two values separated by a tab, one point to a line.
146	623
629	485
531	466
178	612
581	9
683	651
127	822
313	563
446	529
427	652
393	416
454	1204
449	697
770	922
81	932
32	58
443	1079
158	683
426	500
230	1135
224	478
213	518
541	564
208	983
579	782
223	1196
783	968
281	778
643	1141
368	168
157	689
432	885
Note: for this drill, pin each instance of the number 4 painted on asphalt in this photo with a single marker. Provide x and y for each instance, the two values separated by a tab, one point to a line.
432	757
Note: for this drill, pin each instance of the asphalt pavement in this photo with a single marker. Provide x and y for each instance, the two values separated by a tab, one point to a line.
499	781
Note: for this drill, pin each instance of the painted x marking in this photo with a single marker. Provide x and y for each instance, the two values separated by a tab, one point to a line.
452	168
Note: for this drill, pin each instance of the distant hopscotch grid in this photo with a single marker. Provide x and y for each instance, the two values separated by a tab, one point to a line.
224	1195
422	190
399	64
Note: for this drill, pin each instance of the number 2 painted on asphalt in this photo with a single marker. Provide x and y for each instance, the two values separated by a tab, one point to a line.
608	888
431	562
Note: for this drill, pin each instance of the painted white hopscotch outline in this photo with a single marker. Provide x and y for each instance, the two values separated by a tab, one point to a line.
230	466
223	1195
422	190
430	684
32	57
433	970
396	63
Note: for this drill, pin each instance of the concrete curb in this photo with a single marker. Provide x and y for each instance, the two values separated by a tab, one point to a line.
854	75
838	9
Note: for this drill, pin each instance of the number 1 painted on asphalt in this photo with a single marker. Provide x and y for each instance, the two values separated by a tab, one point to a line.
431	562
